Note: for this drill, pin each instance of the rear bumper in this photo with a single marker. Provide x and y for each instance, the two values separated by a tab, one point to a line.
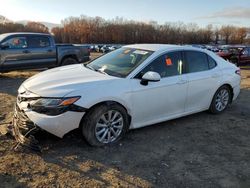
236	91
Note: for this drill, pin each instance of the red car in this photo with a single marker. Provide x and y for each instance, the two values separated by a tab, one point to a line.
239	55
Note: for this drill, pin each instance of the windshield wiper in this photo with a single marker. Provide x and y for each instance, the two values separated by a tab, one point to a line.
89	67
101	71
97	70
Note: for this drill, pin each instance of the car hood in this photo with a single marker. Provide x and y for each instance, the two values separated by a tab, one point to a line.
61	81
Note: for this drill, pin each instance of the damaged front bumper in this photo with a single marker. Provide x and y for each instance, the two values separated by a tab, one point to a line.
28	118
23	130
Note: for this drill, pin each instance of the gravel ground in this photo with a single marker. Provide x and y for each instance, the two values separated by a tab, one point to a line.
200	150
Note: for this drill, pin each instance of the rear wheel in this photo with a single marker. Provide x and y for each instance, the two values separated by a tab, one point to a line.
105	124
220	100
69	61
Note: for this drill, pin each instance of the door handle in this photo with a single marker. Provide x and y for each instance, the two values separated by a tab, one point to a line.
26	51
182	82
50	50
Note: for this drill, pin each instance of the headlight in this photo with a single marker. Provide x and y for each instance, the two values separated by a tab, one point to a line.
53	106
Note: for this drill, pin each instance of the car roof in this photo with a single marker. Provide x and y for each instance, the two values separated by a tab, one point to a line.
24	33
162	47
153	47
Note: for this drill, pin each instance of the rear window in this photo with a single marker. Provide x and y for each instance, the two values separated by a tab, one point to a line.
38	42
196	61
211	62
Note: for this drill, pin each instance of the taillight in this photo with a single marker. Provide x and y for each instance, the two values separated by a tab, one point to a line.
238	72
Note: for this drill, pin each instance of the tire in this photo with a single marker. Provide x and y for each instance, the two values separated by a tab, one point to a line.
221	100
93	126
69	61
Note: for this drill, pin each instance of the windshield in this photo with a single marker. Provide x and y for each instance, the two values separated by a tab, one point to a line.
2	37
121	62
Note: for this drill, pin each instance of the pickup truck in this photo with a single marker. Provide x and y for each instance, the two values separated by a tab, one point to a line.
20	51
239	55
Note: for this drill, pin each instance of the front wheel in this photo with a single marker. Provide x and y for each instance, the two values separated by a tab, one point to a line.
105	124
220	100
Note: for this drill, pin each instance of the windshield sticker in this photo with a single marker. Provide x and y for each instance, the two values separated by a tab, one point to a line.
126	51
141	52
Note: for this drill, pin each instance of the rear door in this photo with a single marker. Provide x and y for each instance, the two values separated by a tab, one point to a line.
14	55
204	79
41	51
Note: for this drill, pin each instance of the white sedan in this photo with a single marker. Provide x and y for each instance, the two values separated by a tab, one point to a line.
131	87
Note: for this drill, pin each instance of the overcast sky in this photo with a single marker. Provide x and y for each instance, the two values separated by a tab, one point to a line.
202	12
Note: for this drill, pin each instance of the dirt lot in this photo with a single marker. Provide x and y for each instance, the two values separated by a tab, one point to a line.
200	150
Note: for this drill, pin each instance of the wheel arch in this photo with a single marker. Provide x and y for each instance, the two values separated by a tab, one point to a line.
230	88
107	102
68	56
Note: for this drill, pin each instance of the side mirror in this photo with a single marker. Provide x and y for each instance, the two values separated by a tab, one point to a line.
150	76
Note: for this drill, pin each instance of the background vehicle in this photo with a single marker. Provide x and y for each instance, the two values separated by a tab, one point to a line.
239	55
108	48
212	48
36	50
105	49
132	87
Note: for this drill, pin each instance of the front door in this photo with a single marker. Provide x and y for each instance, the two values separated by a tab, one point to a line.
15	53
157	101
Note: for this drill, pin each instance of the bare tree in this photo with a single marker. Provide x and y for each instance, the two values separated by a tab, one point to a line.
241	34
226	32
36	27
86	29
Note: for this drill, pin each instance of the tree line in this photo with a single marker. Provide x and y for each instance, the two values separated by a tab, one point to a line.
85	29
29	27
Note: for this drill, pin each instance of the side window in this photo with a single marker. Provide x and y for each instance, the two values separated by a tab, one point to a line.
16	43
38	42
211	62
166	65
196	61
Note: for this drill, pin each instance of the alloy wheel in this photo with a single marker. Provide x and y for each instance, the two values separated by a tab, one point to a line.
109	126
222	100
